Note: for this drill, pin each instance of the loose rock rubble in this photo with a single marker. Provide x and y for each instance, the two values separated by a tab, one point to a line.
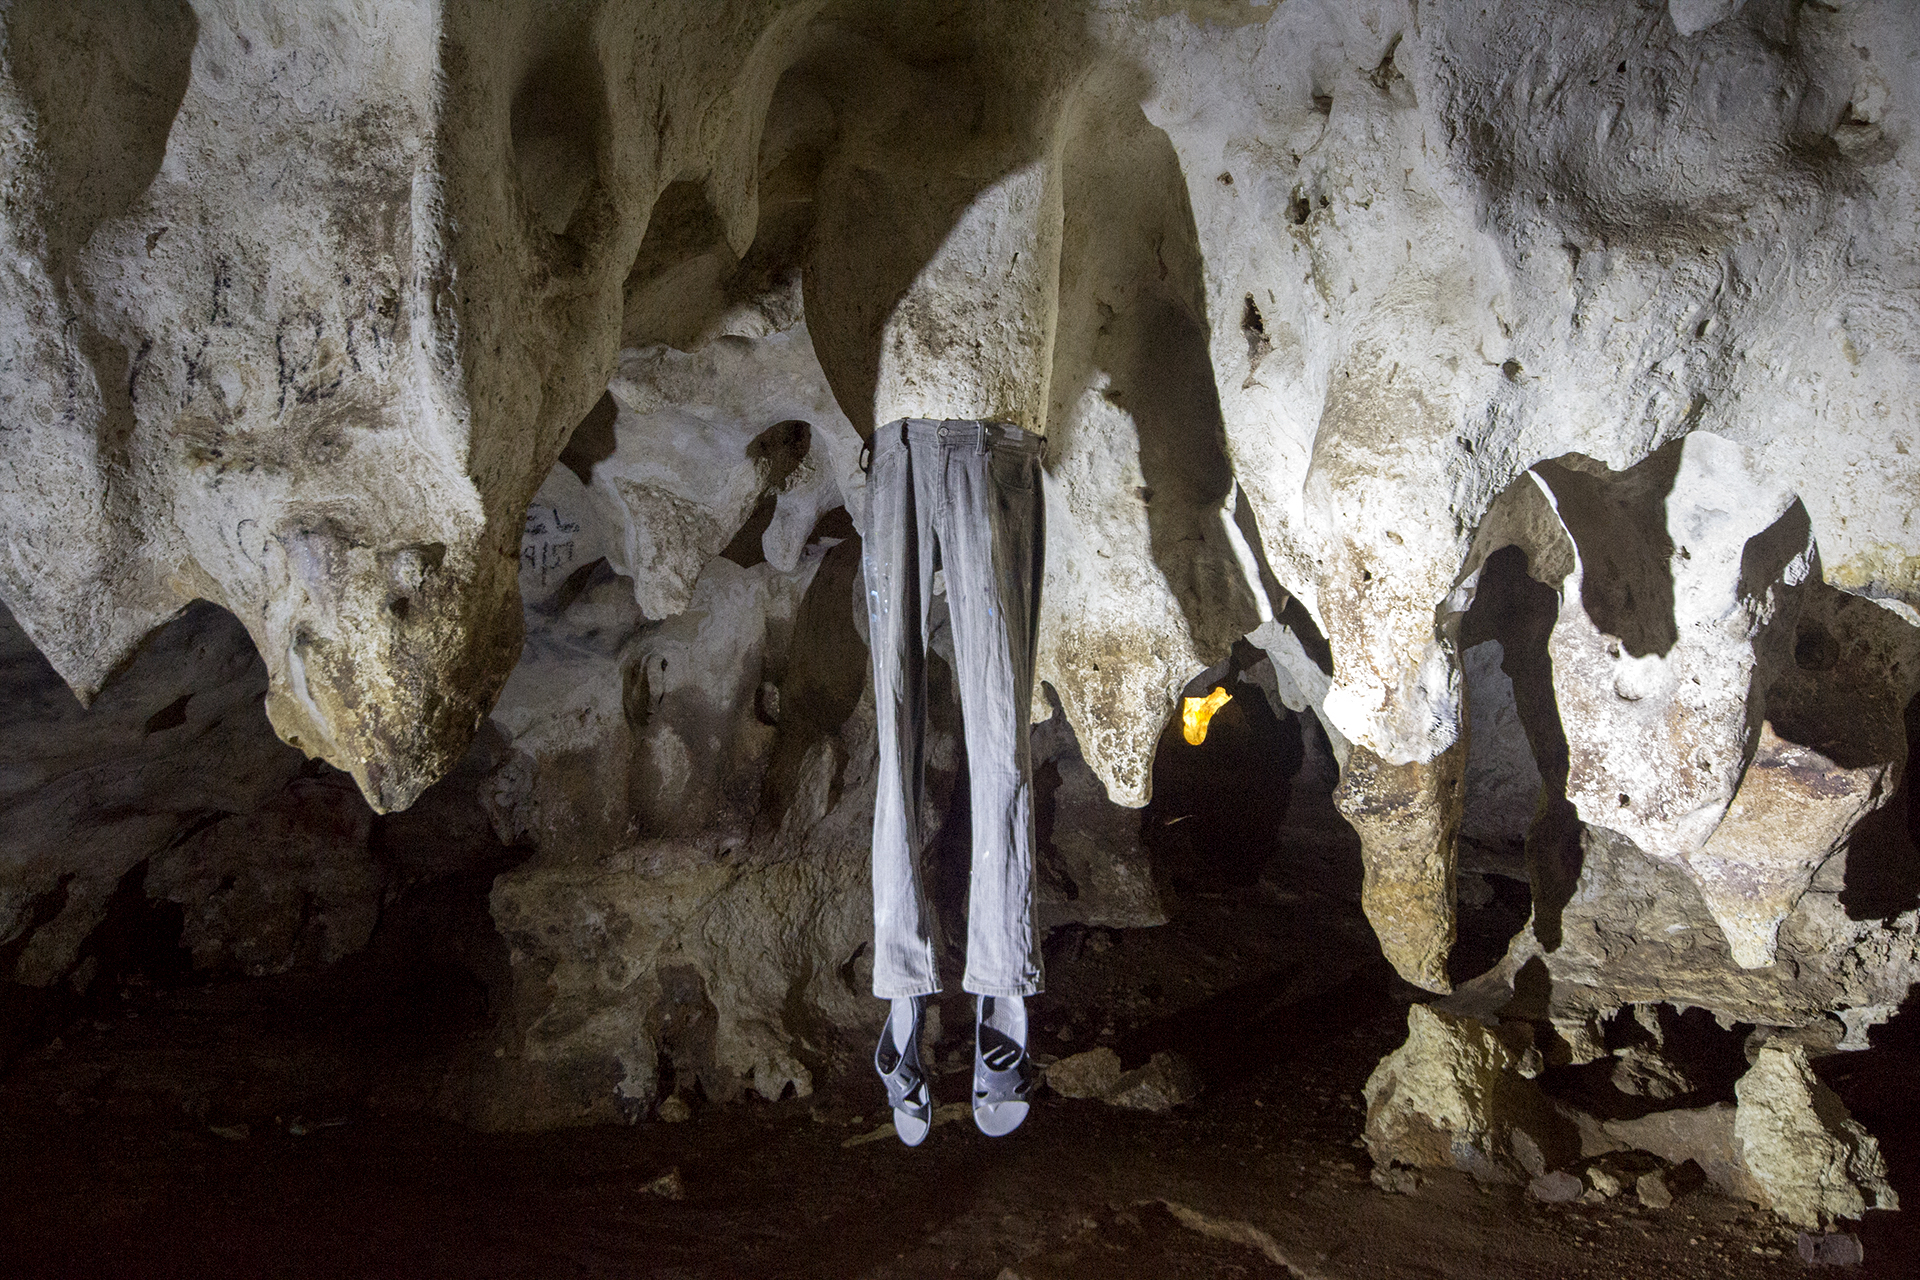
1163	1082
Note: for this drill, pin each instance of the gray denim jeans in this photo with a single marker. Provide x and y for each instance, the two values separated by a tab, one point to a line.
963	497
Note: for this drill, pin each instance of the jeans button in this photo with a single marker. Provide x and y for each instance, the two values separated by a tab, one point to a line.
943	433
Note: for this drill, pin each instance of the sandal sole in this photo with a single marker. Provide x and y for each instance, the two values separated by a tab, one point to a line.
998	1119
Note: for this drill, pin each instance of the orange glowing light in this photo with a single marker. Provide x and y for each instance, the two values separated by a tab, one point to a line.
1195	712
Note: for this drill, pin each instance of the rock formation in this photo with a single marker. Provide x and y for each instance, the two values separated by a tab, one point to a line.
1813	1162
1531	384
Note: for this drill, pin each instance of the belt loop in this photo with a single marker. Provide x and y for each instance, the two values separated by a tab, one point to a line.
986	438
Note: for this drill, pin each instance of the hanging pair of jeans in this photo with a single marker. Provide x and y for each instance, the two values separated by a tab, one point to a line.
963	497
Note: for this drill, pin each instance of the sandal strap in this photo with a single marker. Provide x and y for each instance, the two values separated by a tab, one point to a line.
1002	1069
901	1071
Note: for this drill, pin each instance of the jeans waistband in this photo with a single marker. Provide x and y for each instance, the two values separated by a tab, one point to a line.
955	433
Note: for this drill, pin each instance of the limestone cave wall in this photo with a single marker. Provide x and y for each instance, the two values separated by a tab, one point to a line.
1523	393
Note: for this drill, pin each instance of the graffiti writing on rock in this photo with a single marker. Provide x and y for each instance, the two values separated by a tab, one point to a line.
547	544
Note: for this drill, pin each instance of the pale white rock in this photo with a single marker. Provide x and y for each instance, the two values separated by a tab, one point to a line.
303	306
1110	641
1150	576
952	348
649	920
1574	325
702	437
935	269
1691	16
1667	632
1671	648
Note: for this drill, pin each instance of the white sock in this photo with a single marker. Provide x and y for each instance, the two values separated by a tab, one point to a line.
1008	1016
902	1020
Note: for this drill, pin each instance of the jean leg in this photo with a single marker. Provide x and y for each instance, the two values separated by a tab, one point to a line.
992	554
896	586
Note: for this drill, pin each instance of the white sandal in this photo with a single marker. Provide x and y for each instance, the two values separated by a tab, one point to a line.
1003	1076
908	1092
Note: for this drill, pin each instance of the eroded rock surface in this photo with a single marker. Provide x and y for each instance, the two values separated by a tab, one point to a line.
1812	1161
1530	383
1458	1094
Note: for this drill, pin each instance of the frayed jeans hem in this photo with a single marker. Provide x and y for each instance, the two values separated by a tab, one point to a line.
1032	987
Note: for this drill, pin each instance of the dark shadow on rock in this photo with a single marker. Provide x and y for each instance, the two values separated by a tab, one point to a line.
686	1026
1877	1088
1278	596
1847	692
1091	861
105	79
826	670
1532	992
932	115
137	937
1485	927
560	133
1295	618
30	1015
685	277
1511	607
1245	1029
1883	853
1133	326
1767	554
593	440
748	547
1554	860
1701	1061
1047	867
780	449
436	965
1618	521
672	289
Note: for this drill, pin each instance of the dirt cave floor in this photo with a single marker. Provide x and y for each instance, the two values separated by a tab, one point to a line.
280	1128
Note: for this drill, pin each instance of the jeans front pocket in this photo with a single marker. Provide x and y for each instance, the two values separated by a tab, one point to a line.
1015	470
